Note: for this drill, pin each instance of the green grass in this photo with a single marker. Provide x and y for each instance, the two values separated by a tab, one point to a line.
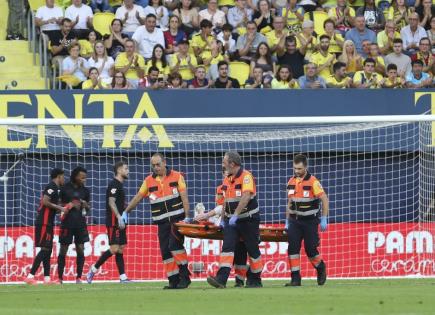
401	296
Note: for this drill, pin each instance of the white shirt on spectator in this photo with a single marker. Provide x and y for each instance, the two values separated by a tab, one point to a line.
131	24
231	42
45	13
105	72
163	21
83	12
68	65
146	40
408	37
217	18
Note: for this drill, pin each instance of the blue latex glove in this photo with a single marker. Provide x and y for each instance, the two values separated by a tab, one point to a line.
286	225
233	220
323	223
124	217
222	224
188	220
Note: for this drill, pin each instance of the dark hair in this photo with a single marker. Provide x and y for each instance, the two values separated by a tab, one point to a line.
328	21
258	5
222	63
205	23
160	2
397	41
90	70
268	54
278	76
324	36
62	22
290	39
119	20
234	157
391	66
154	58
417	62
153	68
300	158
55	172
130	40
369	60
424	38
118	165
75	172
180	6
251	22
227	27
124	80
150	15
338	65
175	75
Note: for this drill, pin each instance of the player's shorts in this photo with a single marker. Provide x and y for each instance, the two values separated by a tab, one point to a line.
80	235
116	236
44	236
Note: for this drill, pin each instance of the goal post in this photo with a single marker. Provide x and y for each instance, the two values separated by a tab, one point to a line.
378	171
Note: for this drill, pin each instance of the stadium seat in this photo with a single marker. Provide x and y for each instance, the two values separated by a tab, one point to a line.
102	21
318	17
36	4
240	71
16	63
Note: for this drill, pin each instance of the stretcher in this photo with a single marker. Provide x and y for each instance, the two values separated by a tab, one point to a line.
210	231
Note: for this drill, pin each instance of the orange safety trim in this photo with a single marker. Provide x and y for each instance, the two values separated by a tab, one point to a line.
256	264
171	267
316	260
180	256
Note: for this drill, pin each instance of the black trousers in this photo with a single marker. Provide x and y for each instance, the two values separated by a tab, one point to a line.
306	230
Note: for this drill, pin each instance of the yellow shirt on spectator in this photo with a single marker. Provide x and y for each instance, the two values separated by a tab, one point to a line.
184	69
272	39
310	48
397	84
331	80
357	3
198	41
215	60
382	39
284	84
122	61
86	48
332	13
293	22
226	3
360	77
334	48
88	85
165	71
318	59
392	15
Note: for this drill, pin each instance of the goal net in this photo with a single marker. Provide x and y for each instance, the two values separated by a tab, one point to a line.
379	176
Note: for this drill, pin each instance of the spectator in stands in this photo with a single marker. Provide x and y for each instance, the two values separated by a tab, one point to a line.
175	81
365	48
224	81
311	80
148	36
188	15
115	41
425	55
104	64
100	6
119	81
322	58
263	17
307	38
173	35
431	33
94	81
426	10
183	61
75	66
217	54
201	42
386	37
375	55
292	57
130	63
227	39
87	46
239	15
411	34
141	3
399	13
277	35
402	61
81	16
367	78
417	78
15	17
256	80
393	81
61	40
156	7
360	33
374	17
350	58
171	5
214	15
152	80
158	60
343	16
49	17
200	81
284	79
293	16
336	41
247	44
263	59
339	79
131	15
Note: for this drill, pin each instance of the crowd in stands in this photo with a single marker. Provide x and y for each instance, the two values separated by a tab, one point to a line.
282	44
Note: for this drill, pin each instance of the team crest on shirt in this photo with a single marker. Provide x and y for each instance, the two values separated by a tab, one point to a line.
113	191
238	193
306	194
50	191
247	180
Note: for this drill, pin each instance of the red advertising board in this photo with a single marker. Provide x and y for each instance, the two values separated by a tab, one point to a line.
349	249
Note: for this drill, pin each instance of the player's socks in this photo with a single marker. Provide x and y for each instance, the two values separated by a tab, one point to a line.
106	255
60	266
37	261
46	264
80	260
120	263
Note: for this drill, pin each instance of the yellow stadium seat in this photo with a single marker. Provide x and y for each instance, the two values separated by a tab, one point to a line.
63	3
318	17
186	73
102	21
36	4
240	71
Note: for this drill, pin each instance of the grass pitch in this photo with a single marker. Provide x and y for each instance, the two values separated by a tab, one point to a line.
401	296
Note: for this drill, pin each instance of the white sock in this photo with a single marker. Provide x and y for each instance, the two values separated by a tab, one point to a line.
123	277
94	269
30	276
47	278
